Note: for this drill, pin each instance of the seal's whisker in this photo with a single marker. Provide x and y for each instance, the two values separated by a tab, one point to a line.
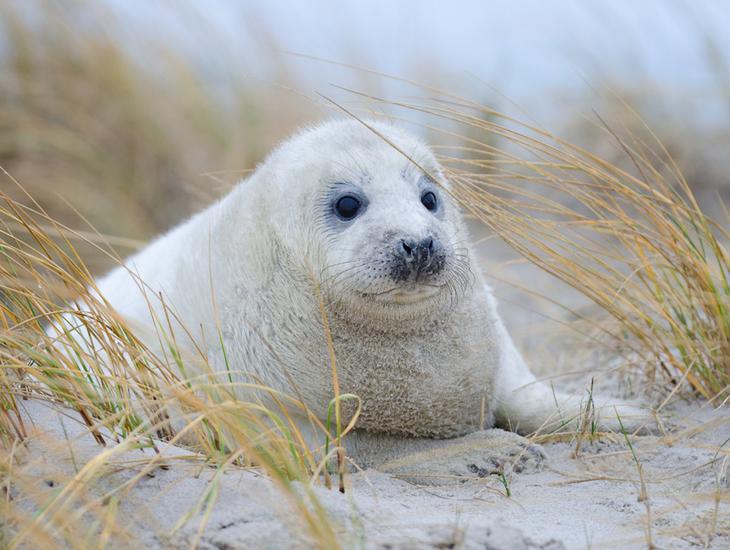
332	266
336	279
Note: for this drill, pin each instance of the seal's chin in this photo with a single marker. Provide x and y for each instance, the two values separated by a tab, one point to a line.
406	295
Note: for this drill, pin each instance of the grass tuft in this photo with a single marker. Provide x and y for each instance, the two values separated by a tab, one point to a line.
634	242
62	345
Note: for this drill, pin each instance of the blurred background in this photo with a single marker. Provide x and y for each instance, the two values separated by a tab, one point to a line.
127	116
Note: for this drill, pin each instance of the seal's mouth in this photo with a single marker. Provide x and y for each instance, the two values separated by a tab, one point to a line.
407	294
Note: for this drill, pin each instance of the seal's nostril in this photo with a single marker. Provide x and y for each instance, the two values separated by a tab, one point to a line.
407	248
425	251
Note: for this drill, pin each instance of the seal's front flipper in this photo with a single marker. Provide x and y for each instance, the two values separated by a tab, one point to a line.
473	456
527	406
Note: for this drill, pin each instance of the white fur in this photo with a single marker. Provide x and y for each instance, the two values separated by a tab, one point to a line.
440	366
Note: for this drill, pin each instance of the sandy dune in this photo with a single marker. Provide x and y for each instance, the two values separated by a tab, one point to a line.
585	502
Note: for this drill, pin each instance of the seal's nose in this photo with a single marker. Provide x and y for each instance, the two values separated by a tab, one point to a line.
417	260
417	254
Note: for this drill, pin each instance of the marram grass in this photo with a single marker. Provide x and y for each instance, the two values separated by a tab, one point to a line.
636	243
92	367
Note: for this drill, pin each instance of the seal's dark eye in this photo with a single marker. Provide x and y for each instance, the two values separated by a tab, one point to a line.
428	199
347	207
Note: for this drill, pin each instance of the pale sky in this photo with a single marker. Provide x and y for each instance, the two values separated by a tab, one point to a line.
521	43
524	49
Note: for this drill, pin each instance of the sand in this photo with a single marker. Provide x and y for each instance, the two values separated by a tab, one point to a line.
588	501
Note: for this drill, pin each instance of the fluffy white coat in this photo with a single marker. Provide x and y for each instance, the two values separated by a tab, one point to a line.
428	361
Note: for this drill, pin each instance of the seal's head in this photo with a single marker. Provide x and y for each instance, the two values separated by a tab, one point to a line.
387	240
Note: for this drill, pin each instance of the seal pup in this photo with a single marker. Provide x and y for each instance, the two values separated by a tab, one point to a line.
359	216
